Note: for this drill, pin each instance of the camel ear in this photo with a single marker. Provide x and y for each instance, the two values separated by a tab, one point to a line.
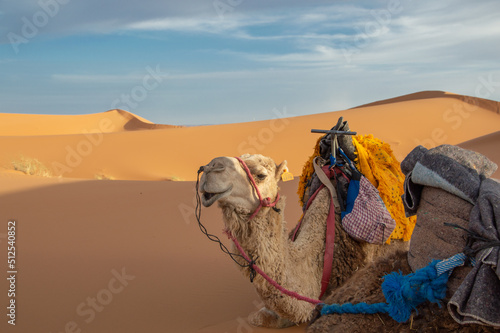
280	169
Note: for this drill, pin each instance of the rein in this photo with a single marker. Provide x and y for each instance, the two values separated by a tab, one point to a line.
212	237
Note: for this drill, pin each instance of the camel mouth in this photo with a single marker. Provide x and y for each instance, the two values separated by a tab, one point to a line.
208	198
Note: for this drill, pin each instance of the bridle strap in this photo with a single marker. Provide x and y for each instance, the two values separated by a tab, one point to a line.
266	202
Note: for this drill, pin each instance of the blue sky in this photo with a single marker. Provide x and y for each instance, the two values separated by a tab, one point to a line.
224	61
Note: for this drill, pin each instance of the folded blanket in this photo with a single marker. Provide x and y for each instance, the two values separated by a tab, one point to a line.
477	300
451	168
461	177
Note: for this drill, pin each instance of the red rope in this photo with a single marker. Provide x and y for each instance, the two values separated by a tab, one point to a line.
262	202
268	279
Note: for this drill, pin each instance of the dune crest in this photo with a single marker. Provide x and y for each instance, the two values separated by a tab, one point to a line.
487	104
12	124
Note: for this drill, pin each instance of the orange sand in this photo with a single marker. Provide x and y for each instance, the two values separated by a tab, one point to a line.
75	234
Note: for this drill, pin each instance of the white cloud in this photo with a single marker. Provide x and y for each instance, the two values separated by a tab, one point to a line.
416	35
232	26
415	41
183	24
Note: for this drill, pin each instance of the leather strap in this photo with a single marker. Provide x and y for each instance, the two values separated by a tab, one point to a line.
324	176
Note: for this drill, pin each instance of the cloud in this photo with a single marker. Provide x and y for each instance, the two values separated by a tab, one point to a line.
437	37
313	34
324	34
230	26
110	16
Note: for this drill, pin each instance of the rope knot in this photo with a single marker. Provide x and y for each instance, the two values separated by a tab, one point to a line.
251	266
266	202
253	273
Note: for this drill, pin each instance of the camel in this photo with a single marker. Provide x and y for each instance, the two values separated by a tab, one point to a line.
295	265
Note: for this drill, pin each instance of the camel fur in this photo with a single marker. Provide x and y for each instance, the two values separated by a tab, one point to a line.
297	265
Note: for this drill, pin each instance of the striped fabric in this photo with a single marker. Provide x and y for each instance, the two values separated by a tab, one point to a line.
447	265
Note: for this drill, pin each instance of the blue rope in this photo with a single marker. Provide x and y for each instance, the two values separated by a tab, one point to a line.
355	308
403	293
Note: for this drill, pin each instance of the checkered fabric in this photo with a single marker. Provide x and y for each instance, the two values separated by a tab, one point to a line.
369	219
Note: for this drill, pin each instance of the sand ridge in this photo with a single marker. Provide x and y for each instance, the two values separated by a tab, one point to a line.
493	106
118	149
13	124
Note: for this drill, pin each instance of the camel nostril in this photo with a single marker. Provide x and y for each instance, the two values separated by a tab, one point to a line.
217	166
214	166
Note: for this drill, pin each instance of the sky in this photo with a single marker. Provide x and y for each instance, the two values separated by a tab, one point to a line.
225	61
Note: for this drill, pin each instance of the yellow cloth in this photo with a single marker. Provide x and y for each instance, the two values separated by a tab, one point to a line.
376	161
307	172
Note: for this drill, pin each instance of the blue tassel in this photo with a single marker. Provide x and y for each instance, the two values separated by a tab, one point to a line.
403	293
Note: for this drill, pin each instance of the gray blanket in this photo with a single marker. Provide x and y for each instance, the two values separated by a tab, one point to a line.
451	168
464	174
477	300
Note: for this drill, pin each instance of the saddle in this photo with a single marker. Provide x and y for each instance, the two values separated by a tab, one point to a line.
363	213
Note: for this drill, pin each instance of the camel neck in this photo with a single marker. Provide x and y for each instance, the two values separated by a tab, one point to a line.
263	238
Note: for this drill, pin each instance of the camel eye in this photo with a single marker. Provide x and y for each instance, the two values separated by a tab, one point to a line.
261	176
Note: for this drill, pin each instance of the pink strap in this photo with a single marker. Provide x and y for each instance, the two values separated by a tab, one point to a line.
329	247
268	279
330	234
262	202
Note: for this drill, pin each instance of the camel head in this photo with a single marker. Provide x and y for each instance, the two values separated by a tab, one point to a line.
225	180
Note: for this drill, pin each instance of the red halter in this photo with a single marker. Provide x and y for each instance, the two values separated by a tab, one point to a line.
262	202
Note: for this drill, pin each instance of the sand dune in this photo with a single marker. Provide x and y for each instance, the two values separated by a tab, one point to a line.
133	246
107	122
487	104
176	153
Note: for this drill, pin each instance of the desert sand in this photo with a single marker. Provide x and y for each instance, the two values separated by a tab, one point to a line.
109	242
